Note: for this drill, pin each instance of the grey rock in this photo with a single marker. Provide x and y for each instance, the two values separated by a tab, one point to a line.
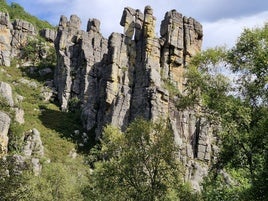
36	165
22	32
24	26
5	39
28	82
4	127
47	93
45	71
6	93
19	115
33	144
122	78
49	34
93	24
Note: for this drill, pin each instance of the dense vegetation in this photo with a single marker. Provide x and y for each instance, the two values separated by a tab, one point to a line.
229	87
240	107
139	164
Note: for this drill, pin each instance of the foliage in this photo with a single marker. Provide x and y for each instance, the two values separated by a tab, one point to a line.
15	141
239	107
39	52
206	86
17	12
139	164
215	188
58	182
4	105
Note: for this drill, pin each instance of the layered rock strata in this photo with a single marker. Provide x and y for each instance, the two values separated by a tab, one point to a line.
122	78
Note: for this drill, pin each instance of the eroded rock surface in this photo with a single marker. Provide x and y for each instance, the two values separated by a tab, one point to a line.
5	39
4	127
6	93
122	78
14	35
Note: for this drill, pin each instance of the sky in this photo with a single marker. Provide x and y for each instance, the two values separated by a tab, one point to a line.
222	20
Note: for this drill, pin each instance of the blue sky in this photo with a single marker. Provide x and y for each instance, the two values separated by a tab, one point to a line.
222	20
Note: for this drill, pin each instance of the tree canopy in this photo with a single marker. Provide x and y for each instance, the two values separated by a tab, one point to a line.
232	90
139	164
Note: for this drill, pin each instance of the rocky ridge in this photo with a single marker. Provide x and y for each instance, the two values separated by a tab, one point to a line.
118	79
15	35
115	80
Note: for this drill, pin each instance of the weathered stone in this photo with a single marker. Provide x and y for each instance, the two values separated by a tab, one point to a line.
24	26
6	93
93	25
45	71
28	82
19	115
122	78
22	31
4	127
49	34
182	39
5	39
33	145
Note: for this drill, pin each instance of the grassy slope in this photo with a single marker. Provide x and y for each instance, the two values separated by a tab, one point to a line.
55	126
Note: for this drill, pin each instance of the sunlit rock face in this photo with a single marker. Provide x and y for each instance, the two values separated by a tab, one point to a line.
13	37
118	79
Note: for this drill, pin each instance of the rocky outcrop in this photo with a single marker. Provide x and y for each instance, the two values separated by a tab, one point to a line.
33	149
32	144
21	32
48	34
124	77
119	79
15	35
182	38
6	93
5	39
4	127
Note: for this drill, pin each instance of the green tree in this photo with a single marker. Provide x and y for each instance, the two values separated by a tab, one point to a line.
239	107
57	181
139	164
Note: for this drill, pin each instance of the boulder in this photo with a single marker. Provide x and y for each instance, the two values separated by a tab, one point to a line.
33	146
4	128
6	93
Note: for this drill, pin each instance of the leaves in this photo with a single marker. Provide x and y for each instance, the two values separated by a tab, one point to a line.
139	164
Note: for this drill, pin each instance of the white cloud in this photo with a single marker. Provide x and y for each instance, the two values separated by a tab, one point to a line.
227	31
49	1
223	20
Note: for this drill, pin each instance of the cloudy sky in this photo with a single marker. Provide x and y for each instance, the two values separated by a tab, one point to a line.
222	20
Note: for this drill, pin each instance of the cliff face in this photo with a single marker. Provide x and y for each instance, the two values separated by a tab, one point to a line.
119	79
13	37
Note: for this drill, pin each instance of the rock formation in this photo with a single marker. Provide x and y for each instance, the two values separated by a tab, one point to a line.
4	127
119	79
6	93
5	39
15	35
33	149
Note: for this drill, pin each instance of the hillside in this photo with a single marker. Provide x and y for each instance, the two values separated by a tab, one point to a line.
131	117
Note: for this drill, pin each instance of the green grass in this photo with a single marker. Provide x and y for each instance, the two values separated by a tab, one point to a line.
56	127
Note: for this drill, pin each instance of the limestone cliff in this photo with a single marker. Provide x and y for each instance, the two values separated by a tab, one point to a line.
119	79
15	35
